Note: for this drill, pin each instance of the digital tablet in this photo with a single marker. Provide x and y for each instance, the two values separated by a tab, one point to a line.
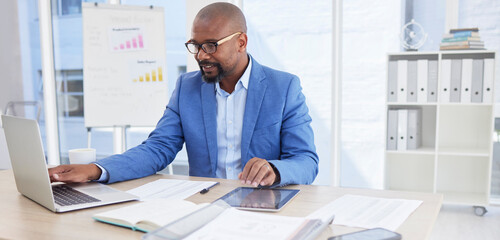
259	199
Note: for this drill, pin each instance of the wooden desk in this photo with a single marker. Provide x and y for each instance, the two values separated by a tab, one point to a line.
21	218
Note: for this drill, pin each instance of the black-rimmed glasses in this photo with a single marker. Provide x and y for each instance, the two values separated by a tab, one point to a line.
208	47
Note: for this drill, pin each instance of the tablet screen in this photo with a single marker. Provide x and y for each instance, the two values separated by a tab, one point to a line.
260	199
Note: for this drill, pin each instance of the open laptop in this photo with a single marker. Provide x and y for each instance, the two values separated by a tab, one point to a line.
32	177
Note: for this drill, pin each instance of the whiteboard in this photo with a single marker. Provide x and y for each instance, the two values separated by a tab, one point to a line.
124	68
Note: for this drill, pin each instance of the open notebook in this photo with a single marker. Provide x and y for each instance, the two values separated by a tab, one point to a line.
149	215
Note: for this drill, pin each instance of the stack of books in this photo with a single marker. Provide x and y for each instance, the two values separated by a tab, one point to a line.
461	38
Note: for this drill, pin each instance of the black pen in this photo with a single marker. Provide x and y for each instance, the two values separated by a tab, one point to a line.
205	190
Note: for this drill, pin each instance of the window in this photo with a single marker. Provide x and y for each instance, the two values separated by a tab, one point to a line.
70	7
70	92
298	39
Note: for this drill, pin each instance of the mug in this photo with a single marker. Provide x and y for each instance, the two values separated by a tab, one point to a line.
82	155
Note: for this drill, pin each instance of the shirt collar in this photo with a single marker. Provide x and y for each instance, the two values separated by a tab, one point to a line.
245	78
242	82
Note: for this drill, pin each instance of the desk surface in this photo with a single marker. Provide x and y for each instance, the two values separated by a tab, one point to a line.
22	218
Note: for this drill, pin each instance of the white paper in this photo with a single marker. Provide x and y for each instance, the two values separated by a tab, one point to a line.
367	212
241	225
170	189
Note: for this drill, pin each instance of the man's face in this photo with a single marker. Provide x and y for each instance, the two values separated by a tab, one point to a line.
214	66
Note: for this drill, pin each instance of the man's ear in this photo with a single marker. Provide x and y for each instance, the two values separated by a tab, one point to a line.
242	42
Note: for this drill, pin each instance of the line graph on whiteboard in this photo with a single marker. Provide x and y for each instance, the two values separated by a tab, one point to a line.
124	39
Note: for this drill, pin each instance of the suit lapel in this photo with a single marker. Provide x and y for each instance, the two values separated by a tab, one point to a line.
256	90
209	106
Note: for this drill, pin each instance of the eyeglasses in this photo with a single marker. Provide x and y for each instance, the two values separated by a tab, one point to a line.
208	47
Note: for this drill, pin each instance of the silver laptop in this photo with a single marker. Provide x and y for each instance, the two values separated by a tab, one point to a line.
32	178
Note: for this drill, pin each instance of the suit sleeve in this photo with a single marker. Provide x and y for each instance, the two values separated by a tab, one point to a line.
156	152
299	161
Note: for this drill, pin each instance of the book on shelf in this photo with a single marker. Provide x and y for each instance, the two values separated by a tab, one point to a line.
454	30
471	43
461	34
461	47
461	39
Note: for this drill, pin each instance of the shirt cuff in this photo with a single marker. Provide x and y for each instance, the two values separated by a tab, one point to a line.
278	177
104	175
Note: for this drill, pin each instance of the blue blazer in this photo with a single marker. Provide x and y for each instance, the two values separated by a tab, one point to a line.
276	127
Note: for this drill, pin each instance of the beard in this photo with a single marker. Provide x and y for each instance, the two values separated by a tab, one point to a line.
215	79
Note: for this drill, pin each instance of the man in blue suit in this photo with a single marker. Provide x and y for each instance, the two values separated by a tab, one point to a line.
239	119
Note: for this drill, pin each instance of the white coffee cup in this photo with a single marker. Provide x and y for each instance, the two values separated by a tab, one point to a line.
82	155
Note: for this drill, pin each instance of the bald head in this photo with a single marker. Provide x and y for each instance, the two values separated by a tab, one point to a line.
226	13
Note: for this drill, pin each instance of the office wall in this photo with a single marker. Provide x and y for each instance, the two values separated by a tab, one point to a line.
370	31
11	85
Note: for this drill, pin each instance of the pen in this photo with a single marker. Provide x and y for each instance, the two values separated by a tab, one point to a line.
205	190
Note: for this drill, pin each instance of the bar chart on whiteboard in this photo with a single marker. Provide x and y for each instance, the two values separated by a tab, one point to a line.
146	71
126	39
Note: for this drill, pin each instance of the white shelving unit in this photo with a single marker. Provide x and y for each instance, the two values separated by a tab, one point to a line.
455	155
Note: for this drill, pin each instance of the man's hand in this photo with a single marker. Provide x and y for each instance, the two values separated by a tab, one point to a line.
74	173
257	171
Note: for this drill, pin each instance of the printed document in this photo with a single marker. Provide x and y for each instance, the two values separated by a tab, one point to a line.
245	225
170	189
368	212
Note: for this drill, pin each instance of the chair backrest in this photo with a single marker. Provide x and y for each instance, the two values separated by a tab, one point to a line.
12	108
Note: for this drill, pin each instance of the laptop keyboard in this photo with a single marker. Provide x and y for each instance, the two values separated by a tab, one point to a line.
65	196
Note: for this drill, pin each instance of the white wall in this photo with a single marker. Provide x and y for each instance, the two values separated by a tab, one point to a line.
299	41
371	30
11	85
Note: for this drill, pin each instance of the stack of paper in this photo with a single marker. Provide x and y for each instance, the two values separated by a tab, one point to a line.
170	189
368	212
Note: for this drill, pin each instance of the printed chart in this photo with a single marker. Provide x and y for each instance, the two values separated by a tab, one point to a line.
143	71
126	39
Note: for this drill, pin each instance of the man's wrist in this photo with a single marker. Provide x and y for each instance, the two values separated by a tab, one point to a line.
277	173
95	172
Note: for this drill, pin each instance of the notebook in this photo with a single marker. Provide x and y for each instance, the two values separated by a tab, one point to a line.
32	178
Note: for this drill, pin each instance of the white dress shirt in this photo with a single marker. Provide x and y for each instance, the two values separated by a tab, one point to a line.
230	111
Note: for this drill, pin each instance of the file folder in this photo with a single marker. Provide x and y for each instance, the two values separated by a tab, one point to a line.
414	129
489	80
456	80
477	81
402	80
392	129
422	80
402	129
444	89
432	80
466	80
392	83
412	81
